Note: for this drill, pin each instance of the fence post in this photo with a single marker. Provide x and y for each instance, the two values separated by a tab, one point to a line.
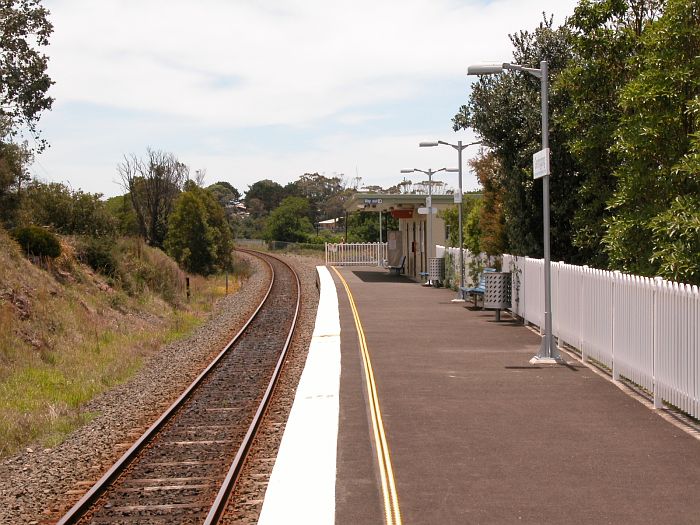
615	372
658	401
584	355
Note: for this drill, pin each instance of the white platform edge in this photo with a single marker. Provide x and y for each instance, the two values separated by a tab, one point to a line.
302	484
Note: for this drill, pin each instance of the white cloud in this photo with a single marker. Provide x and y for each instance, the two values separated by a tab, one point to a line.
305	61
232	65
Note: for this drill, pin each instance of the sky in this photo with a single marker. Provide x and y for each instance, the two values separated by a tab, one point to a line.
269	89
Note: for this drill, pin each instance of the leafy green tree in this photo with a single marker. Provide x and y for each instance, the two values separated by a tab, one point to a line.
491	217
605	37
14	159
67	211
24	82
451	218
289	221
216	218
676	236
263	196
505	110
654	212
123	212
190	239
224	192
199	237
326	195
364	226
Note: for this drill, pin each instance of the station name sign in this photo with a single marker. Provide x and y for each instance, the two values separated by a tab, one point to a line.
372	202
540	163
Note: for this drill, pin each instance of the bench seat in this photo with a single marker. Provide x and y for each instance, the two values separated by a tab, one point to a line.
398	270
479	289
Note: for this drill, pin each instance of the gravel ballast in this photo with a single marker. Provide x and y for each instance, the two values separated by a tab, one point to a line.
39	485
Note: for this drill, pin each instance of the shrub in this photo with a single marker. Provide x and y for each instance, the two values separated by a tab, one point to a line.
143	267
37	241
98	254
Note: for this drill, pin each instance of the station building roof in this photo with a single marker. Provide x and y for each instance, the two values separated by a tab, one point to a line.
399	204
385	202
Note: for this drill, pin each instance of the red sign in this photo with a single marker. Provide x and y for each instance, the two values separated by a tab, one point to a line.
402	214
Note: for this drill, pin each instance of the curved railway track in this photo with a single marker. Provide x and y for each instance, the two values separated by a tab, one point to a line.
183	468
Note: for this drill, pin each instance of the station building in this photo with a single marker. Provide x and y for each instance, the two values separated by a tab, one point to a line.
412	239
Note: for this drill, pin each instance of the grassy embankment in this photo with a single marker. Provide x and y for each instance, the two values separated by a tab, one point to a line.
68	333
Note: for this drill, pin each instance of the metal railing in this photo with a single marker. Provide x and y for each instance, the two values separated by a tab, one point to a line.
646	330
356	254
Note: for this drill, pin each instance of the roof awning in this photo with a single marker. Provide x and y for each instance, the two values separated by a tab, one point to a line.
385	202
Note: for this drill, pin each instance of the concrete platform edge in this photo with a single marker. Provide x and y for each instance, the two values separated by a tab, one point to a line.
302	484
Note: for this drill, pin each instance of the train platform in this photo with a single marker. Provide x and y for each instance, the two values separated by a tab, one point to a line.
413	409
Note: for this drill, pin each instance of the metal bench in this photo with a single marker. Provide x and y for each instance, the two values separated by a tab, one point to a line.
398	270
478	290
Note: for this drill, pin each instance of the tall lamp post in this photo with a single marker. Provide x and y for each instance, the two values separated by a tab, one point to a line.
548	353
429	200
458	200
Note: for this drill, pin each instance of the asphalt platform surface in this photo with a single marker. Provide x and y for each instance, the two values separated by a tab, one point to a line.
478	435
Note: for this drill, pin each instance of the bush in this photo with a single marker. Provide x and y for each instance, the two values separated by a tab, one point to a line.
37	241
97	253
144	268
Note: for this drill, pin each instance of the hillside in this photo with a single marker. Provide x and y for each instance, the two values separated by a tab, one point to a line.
68	332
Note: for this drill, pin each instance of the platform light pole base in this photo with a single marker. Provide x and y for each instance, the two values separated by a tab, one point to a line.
458	300
537	360
548	356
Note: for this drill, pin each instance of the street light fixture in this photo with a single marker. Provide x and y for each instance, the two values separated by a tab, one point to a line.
548	353
429	200
459	147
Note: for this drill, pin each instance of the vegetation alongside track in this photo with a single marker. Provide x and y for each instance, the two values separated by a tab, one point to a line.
68	333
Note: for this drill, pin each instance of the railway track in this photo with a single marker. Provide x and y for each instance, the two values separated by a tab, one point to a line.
183	468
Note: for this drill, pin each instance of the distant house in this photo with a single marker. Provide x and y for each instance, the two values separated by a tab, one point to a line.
237	208
333	225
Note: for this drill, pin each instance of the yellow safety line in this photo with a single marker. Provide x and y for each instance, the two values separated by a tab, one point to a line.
386	472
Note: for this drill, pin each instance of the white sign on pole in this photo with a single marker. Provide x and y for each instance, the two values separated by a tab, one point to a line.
428	201
424	211
458	198
540	163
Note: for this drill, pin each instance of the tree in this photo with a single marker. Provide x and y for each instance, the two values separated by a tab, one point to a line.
471	206
604	37
123	212
14	159
289	221
653	226
263	196
506	111
325	195
199	237
364	226
66	211
491	215
24	29
224	192
153	184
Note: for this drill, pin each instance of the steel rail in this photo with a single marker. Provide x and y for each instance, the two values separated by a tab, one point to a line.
221	501
100	487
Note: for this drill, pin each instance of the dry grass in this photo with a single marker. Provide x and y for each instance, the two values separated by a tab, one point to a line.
67	334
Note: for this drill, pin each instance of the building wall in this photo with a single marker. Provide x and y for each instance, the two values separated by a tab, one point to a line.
415	242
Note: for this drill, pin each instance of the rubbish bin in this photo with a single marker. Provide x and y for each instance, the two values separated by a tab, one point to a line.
436	269
497	292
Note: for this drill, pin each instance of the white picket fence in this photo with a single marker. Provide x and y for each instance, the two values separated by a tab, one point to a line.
356	254
647	330
452	273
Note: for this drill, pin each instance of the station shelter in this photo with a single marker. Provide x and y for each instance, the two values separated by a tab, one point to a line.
412	239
